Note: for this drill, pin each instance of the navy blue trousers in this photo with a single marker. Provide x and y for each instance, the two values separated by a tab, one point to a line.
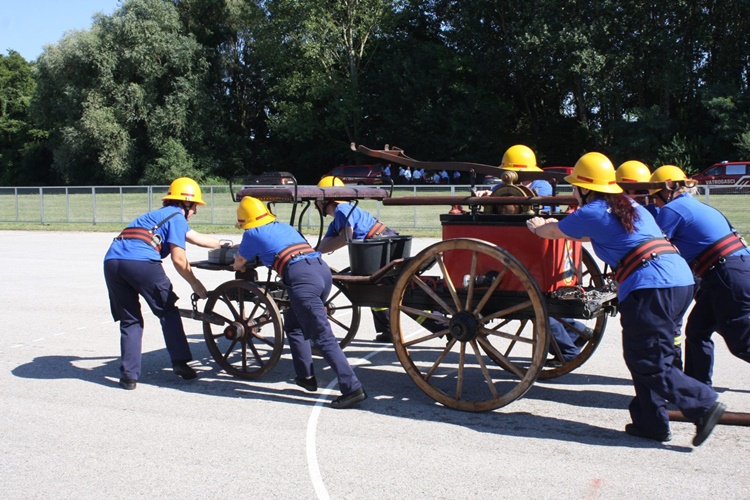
722	305
308	284
126	281
565	337
650	319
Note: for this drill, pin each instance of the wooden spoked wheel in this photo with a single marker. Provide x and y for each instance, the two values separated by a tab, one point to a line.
469	324
590	332
342	314
249	342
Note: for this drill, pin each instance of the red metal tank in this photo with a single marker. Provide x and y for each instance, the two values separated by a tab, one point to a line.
552	263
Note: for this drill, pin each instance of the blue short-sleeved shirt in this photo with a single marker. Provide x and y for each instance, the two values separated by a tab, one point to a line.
693	226
172	232
360	220
267	241
652	209
612	242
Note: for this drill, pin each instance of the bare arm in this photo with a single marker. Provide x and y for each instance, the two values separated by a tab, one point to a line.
239	262
549	229
203	240
181	264
331	243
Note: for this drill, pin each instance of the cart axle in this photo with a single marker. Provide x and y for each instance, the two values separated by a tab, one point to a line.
463	327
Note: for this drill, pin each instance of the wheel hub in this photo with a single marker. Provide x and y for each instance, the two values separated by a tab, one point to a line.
463	326
234	331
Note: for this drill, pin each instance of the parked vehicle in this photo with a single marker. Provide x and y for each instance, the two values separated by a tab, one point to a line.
359	174
726	173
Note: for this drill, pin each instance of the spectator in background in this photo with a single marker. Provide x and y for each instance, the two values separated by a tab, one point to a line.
402	175
417	177
407	175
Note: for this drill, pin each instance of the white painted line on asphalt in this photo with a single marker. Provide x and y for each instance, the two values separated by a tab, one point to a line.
312	424
38	340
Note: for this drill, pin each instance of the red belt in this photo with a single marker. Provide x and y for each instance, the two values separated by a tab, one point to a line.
641	254
376	230
711	255
282	258
143	234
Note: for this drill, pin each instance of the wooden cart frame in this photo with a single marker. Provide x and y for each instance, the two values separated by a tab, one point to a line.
469	344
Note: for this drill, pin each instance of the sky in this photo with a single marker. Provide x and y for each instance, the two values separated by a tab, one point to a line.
26	26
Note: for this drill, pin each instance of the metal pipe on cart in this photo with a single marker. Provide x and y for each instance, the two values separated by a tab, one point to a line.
481	200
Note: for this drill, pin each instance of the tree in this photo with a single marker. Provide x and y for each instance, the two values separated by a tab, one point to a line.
318	54
20	142
115	96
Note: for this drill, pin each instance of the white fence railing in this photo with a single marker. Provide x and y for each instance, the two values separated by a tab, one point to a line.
121	204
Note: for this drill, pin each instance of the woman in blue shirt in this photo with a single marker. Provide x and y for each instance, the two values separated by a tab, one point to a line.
352	223
655	290
721	259
133	268
308	282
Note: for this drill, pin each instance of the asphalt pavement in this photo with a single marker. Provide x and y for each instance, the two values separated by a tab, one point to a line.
69	431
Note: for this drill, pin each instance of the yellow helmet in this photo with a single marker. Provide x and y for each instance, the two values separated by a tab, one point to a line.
594	171
519	157
253	213
633	171
185	189
667	173
330	181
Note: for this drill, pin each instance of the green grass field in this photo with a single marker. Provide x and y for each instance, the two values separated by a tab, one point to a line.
111	208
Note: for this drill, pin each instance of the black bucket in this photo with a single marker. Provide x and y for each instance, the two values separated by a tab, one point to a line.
368	256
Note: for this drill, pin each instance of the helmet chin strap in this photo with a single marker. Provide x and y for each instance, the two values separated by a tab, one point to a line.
186	206
584	197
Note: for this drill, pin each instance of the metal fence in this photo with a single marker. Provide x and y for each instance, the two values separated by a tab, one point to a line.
92	205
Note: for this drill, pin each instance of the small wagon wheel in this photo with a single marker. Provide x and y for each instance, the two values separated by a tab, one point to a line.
249	343
588	340
465	361
342	314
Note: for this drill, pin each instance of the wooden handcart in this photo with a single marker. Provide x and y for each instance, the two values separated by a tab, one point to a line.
469	314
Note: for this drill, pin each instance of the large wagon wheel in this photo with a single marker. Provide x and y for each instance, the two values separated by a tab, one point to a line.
466	361
250	342
342	314
589	339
